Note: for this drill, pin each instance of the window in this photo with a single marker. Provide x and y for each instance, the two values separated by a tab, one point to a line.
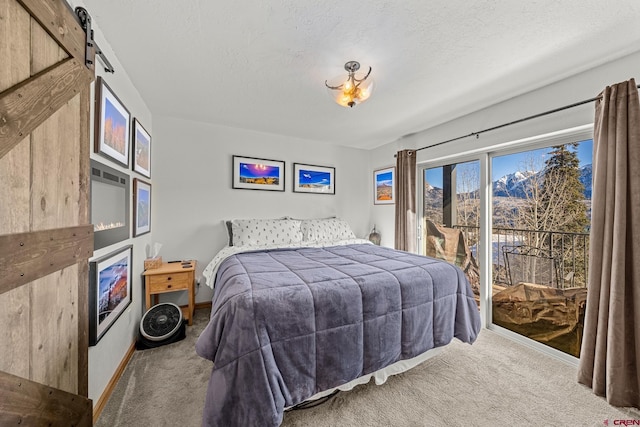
537	195
451	210
540	235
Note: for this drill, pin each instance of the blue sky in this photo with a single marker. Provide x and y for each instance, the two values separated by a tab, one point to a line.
314	177
112	112
385	178
504	165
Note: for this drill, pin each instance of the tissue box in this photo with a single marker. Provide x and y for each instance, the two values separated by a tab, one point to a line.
150	263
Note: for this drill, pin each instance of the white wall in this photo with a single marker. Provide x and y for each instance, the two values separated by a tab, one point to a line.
577	88
192	193
105	357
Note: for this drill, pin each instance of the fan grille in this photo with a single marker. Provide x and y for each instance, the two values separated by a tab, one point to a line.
161	321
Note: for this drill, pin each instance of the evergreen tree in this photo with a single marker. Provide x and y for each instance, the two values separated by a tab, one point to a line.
554	205
563	203
562	199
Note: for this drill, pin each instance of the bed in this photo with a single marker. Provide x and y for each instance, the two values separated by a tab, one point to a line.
302	307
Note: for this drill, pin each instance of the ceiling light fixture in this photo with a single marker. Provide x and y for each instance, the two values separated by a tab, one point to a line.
353	90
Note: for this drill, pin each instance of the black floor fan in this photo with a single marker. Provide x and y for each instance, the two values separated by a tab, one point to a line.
161	324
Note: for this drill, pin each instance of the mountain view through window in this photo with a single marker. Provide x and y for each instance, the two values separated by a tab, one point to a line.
541	209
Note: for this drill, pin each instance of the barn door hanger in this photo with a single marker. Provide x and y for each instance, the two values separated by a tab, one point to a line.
85	21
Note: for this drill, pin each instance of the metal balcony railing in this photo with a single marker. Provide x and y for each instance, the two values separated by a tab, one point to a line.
569	251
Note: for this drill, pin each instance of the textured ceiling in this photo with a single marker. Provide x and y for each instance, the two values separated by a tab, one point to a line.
261	65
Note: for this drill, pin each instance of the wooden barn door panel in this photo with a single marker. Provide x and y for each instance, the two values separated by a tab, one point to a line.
55	169
44	168
54	342
55	190
14	44
15	174
15	315
44	50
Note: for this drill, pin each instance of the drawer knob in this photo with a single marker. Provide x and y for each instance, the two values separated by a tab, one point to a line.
168	286
169	278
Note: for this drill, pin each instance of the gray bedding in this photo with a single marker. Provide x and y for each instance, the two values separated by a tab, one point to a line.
286	324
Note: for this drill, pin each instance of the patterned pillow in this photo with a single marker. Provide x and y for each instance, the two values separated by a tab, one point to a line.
248	232
331	229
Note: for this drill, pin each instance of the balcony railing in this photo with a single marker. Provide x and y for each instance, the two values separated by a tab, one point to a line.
569	253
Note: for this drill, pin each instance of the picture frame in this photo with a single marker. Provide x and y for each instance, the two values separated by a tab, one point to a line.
314	179
141	149
110	291
141	207
112	125
251	173
384	189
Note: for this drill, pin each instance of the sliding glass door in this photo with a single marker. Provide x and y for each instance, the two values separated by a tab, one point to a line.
450	225
538	203
540	239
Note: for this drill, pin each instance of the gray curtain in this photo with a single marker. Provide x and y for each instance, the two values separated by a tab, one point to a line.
610	354
406	232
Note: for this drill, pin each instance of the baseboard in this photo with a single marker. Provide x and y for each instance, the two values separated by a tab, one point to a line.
104	397
102	401
200	305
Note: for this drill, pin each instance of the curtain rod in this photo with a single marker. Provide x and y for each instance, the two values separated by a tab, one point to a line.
535	116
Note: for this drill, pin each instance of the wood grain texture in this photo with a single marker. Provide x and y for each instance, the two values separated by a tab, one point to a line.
14	44
15	332
44	202
55	186
83	329
25	257
83	267
55	151
15	24
84	183
45	51
25	106
15	189
24	402
54	342
60	22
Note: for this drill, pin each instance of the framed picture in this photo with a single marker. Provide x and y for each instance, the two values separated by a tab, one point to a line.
258	174
314	179
141	149
384	186
141	207
109	291
112	125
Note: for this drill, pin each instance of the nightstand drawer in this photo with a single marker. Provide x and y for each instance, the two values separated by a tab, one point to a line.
168	282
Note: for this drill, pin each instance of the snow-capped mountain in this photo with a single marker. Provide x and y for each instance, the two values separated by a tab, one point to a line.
514	184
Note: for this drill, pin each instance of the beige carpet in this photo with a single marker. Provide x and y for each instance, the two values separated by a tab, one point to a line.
495	382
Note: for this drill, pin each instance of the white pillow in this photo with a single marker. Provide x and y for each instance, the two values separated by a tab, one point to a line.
331	229
250	232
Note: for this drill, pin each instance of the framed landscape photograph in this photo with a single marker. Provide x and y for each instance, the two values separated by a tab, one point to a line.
112	125
141	149
314	179
258	174
109	291
141	207
384	186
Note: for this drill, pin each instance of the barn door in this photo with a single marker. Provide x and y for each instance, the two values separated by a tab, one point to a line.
45	236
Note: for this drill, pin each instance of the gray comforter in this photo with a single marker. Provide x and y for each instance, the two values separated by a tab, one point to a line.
287	324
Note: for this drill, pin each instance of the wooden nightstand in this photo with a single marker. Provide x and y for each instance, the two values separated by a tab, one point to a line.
171	277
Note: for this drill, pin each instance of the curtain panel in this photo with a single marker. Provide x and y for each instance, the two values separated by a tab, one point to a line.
406	232
609	359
